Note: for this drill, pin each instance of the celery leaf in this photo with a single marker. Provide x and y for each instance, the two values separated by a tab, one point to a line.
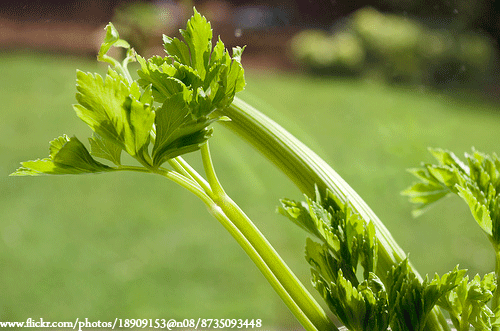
116	110
103	148
198	36
211	76
67	156
112	38
191	82
176	131
477	183
348	237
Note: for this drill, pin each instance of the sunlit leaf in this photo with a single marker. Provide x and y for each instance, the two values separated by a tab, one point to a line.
198	36
67	156
103	148
176	131
113	109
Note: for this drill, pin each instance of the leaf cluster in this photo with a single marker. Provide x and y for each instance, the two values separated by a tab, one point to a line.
363	301
411	300
346	242
165	113
477	182
467	303
192	81
343	233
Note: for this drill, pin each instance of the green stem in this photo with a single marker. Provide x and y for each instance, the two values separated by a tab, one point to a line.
175	164
186	167
122	68
124	71
128	58
285	283
495	301
441	318
185	182
188	178
464	322
261	264
132	168
304	306
210	171
306	169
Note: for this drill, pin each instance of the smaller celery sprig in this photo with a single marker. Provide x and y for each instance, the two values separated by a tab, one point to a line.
477	183
164	114
398	300
346	243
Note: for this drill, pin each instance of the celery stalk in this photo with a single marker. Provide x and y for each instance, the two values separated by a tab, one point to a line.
306	169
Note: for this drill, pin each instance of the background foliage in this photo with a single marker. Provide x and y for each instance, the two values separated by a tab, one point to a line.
397	48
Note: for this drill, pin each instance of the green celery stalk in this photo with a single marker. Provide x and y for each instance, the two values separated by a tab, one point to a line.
307	170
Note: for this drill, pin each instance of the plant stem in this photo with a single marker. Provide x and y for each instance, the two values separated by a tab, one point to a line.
303	319
464	322
496	296
308	310
293	293
185	182
281	278
181	166
306	169
195	175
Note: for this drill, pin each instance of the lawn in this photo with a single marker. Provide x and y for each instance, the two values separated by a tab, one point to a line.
132	245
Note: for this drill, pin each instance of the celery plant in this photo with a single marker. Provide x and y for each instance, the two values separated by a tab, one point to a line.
362	274
164	114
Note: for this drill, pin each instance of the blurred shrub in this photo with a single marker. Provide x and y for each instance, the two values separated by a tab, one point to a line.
395	48
391	42
338	53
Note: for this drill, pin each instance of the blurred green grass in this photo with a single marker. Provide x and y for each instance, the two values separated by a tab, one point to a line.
136	246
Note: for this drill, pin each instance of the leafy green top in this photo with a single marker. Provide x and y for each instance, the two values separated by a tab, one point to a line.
477	183
346	242
170	106
398	300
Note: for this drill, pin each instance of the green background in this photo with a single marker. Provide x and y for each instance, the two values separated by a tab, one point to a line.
130	245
